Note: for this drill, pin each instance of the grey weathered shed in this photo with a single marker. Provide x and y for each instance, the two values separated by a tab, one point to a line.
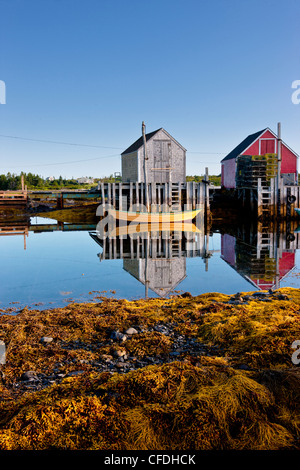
166	159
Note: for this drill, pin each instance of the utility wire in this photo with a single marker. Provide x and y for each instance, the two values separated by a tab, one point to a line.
63	163
57	142
82	145
88	145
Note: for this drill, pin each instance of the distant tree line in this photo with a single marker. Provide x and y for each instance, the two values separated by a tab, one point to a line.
214	179
13	182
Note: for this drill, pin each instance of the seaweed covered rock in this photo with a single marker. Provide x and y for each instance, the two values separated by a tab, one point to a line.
233	384
173	407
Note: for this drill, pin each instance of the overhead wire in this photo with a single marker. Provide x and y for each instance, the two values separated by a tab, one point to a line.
57	142
83	145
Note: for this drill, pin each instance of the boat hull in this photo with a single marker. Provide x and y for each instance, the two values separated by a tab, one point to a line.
133	228
154	217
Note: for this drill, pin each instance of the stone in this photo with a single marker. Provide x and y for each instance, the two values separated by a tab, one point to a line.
107	357
120	353
73	373
282	297
46	339
131	331
29	376
118	336
186	295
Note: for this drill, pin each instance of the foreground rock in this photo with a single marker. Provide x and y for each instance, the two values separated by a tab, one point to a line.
187	372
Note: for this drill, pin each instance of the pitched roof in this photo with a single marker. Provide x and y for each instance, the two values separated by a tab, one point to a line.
243	145
138	143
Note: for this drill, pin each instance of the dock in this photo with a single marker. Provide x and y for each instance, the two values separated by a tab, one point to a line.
159	196
13	198
265	201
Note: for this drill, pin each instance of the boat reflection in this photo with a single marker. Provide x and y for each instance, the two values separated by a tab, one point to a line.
262	255
155	258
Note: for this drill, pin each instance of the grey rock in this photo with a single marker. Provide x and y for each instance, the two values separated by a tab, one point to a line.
46	339
131	331
118	336
30	376
75	372
243	367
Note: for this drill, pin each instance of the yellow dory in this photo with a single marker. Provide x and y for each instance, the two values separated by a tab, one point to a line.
154	217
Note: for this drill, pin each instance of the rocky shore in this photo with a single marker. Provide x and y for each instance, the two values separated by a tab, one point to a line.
219	366
120	361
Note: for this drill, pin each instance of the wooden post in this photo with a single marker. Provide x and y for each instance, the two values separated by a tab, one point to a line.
109	193
102	194
206	178
293	193
169	194
272	198
121	247
60	201
137	195
120	196
114	195
159	198
188	195
131	248
284	200
259	198
153	195
130	194
145	169
165	201
193	197
142	193
104	246
278	166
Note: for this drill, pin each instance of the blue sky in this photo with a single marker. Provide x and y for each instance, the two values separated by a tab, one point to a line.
90	71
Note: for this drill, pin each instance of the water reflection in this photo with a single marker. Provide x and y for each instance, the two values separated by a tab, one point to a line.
263	255
60	263
25	226
157	259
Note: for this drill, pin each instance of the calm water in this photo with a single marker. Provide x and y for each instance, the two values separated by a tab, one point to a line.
64	266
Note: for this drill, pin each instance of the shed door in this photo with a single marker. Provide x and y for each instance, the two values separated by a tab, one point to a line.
267	146
162	159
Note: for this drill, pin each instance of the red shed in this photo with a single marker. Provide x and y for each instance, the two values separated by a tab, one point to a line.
260	143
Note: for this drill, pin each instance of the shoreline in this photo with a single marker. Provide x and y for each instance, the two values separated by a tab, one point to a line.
223	362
